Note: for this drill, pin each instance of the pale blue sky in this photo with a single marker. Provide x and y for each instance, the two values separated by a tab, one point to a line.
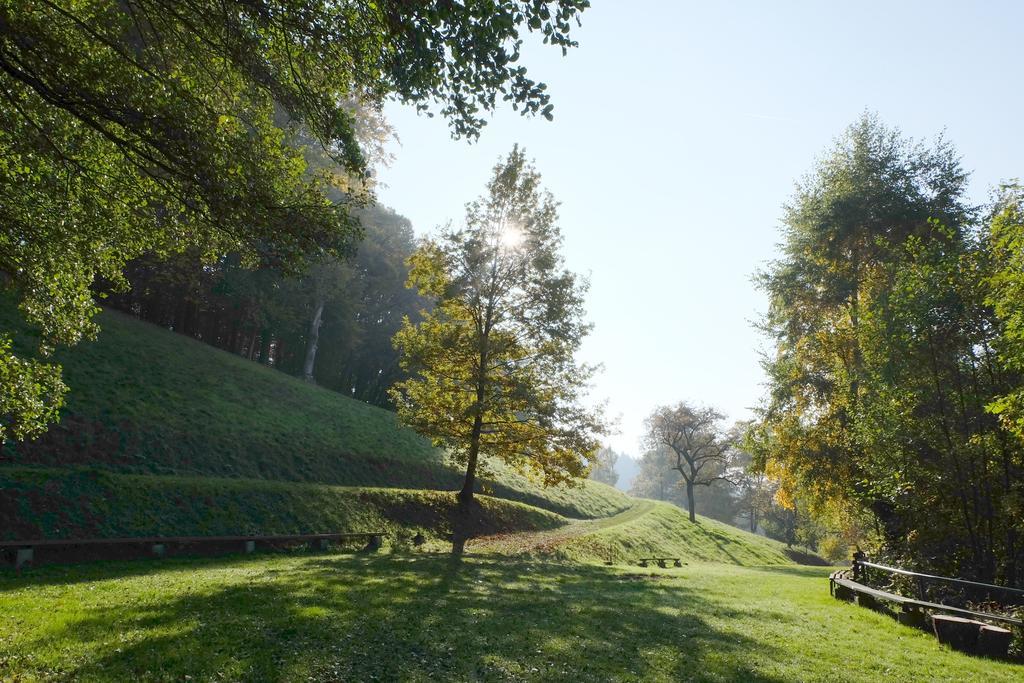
680	128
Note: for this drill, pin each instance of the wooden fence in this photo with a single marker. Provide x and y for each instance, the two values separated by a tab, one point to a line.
33	552
971	630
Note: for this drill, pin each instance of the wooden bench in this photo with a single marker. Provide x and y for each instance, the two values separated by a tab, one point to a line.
676	562
25	553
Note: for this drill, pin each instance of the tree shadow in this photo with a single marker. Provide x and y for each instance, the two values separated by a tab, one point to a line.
724	550
806	558
83	572
809	572
415	618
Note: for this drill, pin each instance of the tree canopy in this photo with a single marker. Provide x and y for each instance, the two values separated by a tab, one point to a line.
1006	295
147	126
885	362
701	449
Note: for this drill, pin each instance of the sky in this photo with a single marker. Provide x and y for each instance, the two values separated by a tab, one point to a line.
680	129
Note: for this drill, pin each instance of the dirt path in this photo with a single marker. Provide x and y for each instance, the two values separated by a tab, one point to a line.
545	541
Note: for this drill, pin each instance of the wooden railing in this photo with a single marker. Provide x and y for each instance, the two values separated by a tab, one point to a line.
960	626
30	552
920	581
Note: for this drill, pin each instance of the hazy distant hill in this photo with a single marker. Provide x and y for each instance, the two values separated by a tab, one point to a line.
627	468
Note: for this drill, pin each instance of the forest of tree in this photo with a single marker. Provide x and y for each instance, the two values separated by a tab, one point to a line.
896	374
145	130
332	324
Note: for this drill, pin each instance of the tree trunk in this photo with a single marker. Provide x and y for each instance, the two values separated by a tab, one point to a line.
466	494
462	515
689	500
313	343
265	347
252	344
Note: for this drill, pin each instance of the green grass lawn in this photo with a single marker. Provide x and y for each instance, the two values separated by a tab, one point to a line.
425	617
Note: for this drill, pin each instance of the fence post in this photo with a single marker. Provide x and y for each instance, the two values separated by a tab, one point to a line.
24	556
858	570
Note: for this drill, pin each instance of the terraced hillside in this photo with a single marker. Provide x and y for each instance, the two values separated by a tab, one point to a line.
203	427
77	503
163	435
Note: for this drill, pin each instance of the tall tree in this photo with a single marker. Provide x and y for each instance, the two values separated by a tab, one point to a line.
885	357
325	279
134	126
872	191
493	362
702	448
755	496
1006	287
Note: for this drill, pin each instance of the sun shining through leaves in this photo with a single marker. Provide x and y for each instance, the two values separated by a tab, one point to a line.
511	236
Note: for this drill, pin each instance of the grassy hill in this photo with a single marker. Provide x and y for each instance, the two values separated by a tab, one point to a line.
148	402
163	435
648	529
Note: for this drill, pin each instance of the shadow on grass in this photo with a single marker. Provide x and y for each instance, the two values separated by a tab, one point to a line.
83	572
806	558
410	618
809	572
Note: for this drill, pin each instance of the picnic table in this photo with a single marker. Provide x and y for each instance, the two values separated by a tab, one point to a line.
662	561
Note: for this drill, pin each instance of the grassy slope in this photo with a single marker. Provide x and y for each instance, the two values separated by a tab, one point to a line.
82	503
422	617
649	529
147	401
85	503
